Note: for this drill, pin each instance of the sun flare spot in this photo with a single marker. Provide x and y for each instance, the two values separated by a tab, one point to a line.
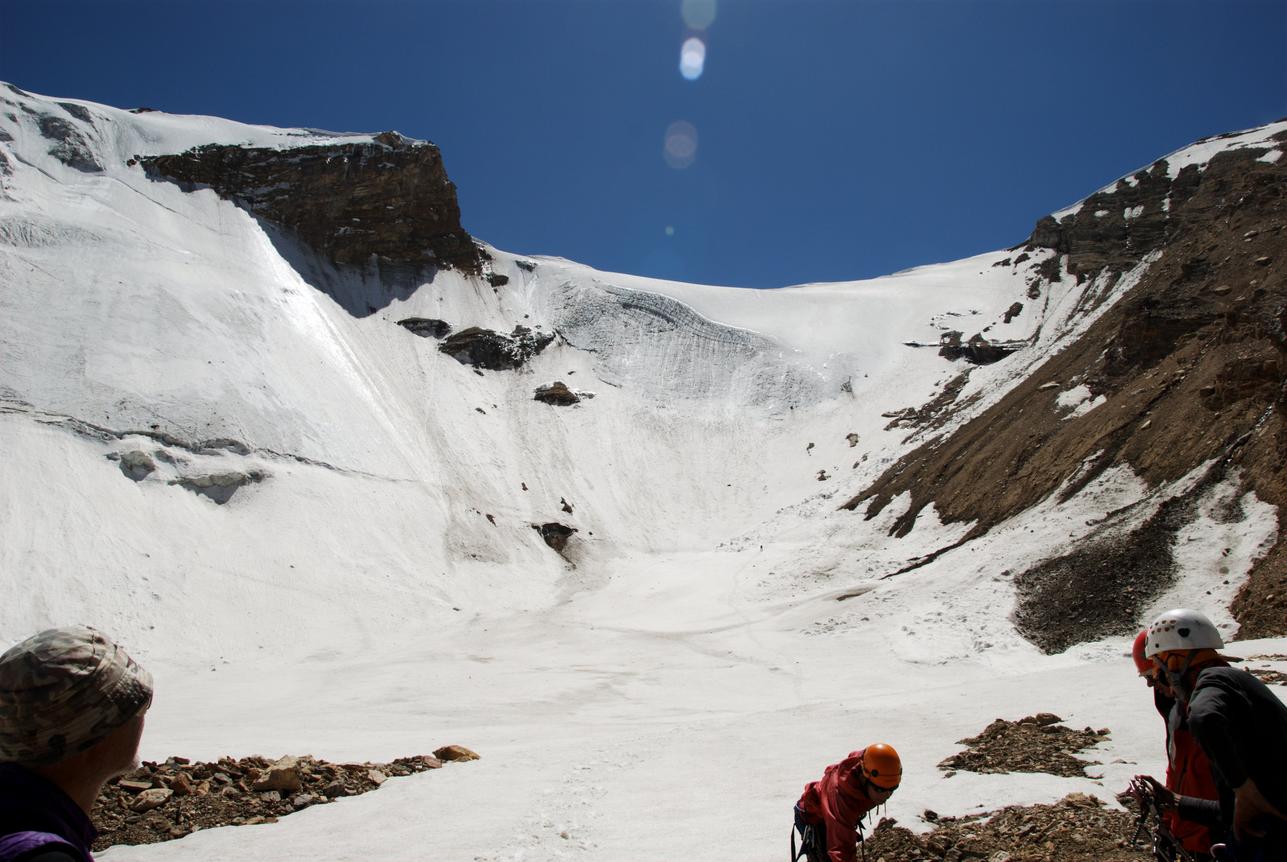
680	148
692	58
698	14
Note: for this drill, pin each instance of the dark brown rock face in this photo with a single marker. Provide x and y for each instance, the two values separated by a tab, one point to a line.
556	535
1192	364
558	394
69	144
426	327
978	350
1115	228
389	199
483	348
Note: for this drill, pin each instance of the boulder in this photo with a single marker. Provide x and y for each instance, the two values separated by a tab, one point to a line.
135	464
220	487
152	798
283	776
556	535
556	393
452	753
181	785
426	327
484	348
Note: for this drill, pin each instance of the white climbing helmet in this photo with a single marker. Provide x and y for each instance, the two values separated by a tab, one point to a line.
1181	629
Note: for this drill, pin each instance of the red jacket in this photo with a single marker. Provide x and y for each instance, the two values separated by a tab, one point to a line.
838	803
1188	773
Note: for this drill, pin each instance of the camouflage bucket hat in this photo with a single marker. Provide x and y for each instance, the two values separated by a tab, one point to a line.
63	690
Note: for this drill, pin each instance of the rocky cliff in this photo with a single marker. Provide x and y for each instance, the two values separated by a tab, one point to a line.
388	199
1191	367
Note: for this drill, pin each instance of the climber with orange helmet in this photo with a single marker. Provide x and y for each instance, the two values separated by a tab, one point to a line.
829	814
1241	727
1188	773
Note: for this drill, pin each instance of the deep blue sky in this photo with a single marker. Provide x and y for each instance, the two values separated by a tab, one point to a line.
837	139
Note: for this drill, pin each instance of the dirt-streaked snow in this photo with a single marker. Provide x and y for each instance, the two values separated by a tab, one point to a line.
719	631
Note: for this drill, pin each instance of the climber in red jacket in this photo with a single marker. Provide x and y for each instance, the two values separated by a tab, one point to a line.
1188	772
830	813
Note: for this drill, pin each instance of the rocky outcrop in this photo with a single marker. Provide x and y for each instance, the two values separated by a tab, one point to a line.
1077	828
1191	367
136	464
1036	743
556	393
1114	229
163	801
555	535
426	327
978	350
221	486
933	413
69	144
483	348
388	200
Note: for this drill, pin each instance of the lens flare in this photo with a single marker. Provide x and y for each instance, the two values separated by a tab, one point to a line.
698	14
692	58
680	149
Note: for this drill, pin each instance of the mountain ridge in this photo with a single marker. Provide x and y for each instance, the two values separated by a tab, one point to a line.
802	353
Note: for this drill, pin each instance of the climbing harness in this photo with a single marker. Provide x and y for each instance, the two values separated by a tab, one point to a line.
1166	847
812	847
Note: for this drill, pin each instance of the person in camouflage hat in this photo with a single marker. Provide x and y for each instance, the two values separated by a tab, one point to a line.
71	716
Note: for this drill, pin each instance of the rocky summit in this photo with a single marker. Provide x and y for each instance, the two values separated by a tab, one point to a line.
388	200
1191	365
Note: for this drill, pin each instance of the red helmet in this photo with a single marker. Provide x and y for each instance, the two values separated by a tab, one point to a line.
882	766
1144	665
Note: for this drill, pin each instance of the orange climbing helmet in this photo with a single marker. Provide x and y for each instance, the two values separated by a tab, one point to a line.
882	766
1144	665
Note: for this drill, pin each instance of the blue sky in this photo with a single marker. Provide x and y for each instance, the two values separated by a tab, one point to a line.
835	139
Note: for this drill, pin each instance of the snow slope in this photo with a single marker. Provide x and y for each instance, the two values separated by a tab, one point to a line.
718	631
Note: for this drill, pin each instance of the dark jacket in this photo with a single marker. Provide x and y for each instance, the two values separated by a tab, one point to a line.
1242	727
36	818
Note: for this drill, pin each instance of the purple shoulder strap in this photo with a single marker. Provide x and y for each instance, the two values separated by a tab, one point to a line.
19	843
